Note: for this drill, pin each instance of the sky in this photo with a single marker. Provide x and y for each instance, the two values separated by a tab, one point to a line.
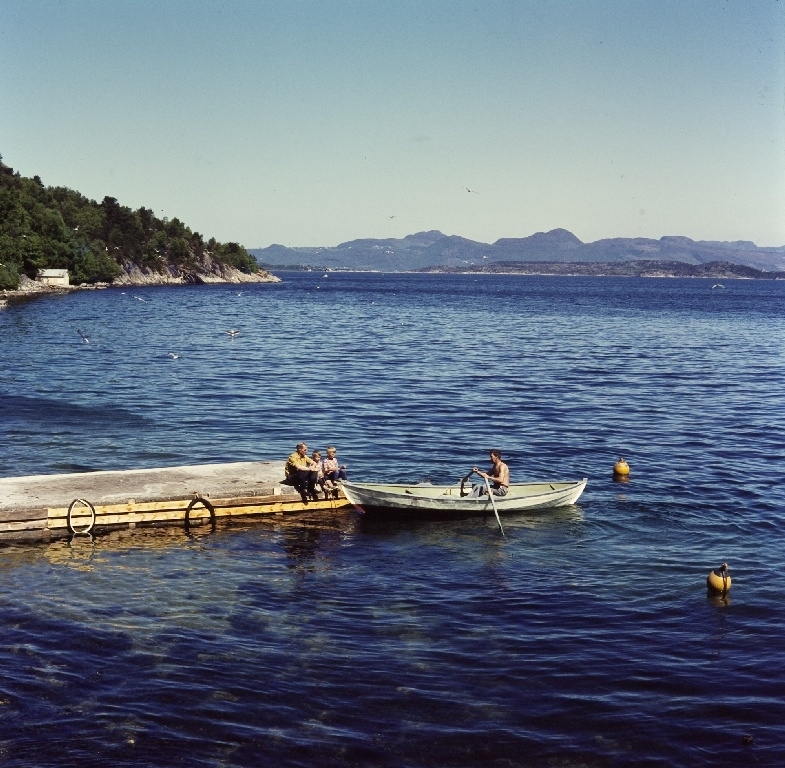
312	123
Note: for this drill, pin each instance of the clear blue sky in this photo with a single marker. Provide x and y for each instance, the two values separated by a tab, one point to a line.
313	123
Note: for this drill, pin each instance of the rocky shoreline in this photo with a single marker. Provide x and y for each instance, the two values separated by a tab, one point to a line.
134	276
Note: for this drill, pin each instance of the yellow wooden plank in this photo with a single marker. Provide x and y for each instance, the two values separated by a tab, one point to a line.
176	504
240	500
197	513
172	509
141	517
143	507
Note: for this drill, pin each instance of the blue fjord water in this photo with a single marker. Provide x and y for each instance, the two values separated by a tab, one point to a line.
586	638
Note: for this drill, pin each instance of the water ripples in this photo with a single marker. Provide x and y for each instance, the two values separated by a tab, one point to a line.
584	638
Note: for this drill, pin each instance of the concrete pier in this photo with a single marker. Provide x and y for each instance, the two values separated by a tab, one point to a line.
41	506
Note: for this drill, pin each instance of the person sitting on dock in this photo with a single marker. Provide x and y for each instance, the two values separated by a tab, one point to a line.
318	465
333	471
301	473
498	476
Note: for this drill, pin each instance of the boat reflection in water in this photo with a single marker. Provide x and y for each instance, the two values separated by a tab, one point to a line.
392	521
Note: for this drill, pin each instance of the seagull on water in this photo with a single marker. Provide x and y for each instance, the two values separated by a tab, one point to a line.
232	333
84	338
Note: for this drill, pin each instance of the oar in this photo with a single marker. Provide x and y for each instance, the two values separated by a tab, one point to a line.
493	504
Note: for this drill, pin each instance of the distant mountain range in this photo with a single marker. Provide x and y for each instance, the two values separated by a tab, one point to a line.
426	250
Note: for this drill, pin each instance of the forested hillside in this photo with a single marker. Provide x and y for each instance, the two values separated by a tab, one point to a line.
55	227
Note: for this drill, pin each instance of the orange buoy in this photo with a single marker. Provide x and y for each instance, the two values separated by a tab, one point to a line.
719	579
621	468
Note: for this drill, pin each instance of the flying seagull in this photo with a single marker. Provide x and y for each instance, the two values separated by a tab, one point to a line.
473	191
173	356
232	333
84	338
139	298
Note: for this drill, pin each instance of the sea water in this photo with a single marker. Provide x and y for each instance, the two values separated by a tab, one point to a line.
584	638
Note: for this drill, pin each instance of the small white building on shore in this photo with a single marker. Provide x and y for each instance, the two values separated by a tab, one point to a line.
54	277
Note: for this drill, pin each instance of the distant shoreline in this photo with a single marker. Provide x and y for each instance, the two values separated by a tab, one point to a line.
715	270
710	271
31	289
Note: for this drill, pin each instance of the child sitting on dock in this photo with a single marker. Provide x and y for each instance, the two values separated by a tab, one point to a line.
318	467
333	471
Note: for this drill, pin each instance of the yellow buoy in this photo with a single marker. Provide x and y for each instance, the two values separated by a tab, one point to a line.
719	579
621	468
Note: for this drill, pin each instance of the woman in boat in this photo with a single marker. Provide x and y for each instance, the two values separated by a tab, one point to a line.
498	476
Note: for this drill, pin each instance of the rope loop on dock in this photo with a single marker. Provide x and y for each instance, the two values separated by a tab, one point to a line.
206	504
70	521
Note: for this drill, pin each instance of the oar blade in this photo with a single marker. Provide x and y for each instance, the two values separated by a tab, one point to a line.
493	504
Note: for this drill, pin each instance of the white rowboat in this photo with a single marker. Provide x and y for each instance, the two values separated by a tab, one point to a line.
446	499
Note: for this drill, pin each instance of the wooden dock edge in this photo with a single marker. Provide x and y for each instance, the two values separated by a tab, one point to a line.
47	523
